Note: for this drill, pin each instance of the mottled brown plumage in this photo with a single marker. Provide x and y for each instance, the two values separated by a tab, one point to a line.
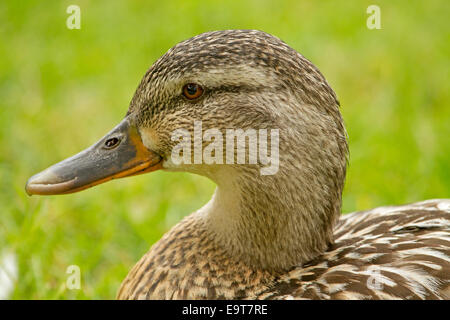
280	236
261	236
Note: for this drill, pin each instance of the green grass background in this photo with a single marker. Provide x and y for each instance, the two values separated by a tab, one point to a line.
61	90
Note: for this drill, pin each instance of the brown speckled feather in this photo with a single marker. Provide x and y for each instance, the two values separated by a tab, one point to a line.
386	253
273	228
276	236
186	264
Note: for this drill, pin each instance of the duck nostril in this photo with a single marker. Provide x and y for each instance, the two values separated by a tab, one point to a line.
111	142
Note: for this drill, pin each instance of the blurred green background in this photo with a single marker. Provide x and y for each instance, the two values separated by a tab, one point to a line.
61	90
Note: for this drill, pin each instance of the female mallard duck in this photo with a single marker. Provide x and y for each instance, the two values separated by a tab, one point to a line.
272	236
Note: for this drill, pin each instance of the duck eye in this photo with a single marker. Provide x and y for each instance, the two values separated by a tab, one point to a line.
192	91
111	143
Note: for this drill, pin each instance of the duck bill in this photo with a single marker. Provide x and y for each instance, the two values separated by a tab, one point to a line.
120	153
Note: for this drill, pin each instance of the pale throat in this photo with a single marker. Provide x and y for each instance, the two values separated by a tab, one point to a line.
256	219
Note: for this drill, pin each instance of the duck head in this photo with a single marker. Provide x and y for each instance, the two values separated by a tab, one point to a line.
243	80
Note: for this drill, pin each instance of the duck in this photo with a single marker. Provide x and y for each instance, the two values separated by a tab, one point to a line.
276	235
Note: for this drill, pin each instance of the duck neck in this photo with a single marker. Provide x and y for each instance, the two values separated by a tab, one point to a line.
271	223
